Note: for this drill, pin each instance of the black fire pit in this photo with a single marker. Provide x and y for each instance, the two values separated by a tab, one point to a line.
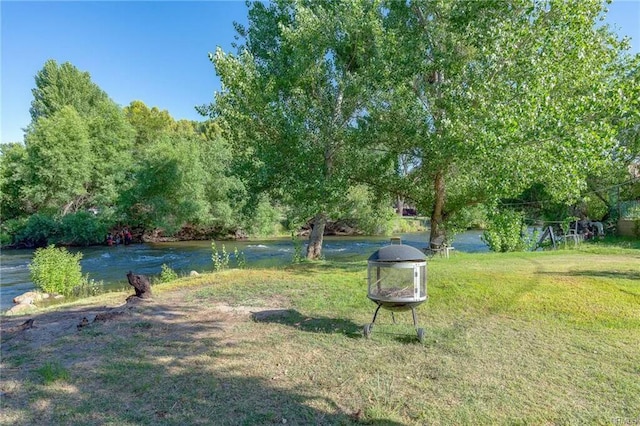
397	277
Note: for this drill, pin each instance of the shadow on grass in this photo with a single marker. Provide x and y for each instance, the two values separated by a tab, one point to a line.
156	364
295	319
618	275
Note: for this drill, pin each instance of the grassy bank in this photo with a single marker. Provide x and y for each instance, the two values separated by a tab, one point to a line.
535	338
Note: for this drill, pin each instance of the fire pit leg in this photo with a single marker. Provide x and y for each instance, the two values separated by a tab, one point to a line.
368	327
415	317
375	315
420	331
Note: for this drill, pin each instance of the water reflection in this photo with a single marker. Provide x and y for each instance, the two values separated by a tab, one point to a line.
110	264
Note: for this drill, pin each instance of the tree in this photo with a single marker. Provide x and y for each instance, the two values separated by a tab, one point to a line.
291	97
59	161
492	97
63	85
181	178
12	181
65	88
111	138
149	123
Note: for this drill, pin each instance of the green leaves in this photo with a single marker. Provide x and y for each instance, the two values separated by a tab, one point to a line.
292	96
55	270
59	160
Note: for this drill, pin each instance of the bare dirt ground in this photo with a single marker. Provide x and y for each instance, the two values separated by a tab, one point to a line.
31	334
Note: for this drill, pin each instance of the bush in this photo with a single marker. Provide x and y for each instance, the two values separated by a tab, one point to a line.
10	228
55	270
220	259
39	231
82	228
88	287
508	232
167	274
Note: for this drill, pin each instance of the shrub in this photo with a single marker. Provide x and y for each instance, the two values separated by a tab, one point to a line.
10	228
265	219
241	259
297	257
508	232
373	216
39	231
88	287
55	270
167	274
82	228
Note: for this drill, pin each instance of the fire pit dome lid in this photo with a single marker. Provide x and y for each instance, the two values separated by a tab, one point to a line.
397	253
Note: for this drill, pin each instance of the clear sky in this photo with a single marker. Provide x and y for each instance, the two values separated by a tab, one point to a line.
154	51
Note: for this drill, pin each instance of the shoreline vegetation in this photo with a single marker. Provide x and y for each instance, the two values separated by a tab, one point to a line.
536	337
400	224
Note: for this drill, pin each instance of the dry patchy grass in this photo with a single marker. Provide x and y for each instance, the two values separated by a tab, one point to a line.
540	338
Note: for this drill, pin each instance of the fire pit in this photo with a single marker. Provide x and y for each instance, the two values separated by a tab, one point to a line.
397	277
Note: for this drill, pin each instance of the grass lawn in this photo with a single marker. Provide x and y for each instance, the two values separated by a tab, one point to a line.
523	338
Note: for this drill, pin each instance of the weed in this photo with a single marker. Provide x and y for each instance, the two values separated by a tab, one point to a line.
221	259
51	372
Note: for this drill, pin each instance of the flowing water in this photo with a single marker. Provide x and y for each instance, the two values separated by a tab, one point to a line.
111	264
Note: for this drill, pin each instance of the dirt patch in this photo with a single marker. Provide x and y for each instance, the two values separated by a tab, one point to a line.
169	312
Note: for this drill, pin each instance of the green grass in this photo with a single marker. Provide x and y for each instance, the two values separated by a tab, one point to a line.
51	372
523	338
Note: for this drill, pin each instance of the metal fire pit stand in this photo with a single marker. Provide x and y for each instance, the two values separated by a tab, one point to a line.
397	281
368	328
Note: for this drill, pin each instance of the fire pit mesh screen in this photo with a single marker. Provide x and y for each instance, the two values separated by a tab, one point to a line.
395	284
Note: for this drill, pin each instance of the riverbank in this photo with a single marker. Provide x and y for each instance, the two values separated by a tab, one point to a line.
110	264
545	337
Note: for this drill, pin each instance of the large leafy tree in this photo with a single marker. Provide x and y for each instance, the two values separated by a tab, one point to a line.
67	97
63	85
291	97
491	97
181	174
58	162
150	123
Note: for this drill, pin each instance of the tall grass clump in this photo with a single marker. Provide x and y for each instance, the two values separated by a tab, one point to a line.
221	259
51	372
55	270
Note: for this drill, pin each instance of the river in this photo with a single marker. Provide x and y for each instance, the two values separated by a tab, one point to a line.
111	264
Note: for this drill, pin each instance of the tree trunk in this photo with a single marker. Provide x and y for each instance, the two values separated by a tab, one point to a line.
141	284
399	205
437	215
314	249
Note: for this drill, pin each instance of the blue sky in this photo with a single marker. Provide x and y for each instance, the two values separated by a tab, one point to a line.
155	52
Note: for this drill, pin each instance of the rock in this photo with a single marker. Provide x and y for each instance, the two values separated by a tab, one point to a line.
194	274
29	297
21	307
